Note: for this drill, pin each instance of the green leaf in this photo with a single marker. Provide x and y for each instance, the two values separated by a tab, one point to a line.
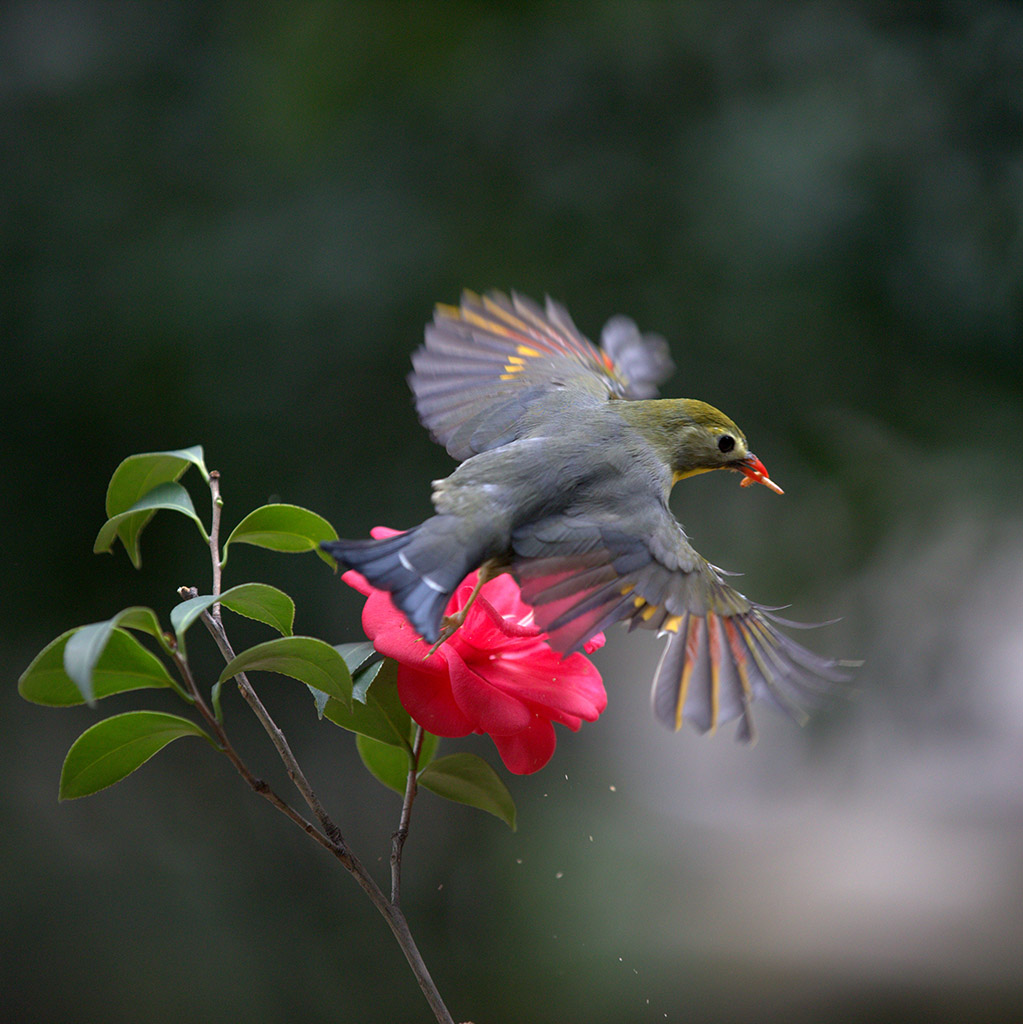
143	620
135	477
356	655
115	747
468	779
86	644
139	474
257	601
305	658
128	525
123	664
367	674
284	528
389	764
82	651
386	763
263	603
183	615
376	711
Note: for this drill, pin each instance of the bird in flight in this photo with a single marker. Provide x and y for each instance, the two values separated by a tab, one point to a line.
567	459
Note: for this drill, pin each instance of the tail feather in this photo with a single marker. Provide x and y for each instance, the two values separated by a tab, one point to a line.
420	569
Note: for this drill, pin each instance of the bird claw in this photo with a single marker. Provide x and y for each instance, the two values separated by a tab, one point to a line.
449	625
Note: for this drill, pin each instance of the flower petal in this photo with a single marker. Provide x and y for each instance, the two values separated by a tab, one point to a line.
357	582
569	687
492	709
430	702
529	749
497	674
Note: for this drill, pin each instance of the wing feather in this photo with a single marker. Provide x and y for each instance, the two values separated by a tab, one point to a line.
723	651
487	360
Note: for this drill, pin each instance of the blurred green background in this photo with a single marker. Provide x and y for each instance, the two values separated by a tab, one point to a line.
226	224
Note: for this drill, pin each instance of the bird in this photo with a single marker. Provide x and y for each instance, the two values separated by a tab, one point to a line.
567	457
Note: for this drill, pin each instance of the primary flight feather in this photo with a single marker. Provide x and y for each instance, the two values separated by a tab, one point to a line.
567	460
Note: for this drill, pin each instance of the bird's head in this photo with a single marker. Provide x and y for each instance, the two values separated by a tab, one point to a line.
696	438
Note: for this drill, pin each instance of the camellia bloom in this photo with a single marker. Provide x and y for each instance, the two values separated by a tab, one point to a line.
496	675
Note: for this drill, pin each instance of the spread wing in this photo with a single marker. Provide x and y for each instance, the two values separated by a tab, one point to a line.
487	360
723	651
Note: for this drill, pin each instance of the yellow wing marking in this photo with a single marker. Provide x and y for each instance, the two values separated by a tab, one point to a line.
739	657
506	315
514	322
692	647
671	623
712	638
714	650
487	325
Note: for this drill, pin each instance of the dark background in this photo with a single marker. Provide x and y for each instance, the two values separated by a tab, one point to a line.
226	224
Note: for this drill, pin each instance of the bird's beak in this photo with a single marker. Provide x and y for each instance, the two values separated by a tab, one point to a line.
755	472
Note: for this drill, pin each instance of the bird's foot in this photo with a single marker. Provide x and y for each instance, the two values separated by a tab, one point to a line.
448	626
450	623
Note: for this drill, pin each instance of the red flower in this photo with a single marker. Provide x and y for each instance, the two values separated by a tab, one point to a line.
495	675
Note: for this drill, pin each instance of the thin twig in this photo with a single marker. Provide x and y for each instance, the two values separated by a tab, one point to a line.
330	838
215	625
218	504
399	837
257	785
295	773
400	928
332	841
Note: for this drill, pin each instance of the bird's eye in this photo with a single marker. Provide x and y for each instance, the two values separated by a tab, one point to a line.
726	443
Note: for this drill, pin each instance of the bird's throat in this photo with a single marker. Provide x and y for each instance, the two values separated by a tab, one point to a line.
693	472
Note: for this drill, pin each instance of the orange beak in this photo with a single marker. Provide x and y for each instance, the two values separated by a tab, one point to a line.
755	472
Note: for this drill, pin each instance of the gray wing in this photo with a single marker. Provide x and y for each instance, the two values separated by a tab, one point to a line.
486	361
723	651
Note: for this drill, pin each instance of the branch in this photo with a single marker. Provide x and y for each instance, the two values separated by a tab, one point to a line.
218	504
330	838
399	837
295	773
257	785
215	625
332	841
